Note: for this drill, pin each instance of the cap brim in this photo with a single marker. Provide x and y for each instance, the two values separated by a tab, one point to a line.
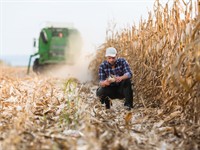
111	55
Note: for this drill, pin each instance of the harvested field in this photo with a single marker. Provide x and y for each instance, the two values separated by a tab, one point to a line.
48	112
40	112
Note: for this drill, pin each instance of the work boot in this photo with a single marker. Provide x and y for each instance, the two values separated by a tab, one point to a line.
102	101
107	102
128	106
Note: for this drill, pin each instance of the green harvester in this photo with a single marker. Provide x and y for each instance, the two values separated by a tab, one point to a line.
56	45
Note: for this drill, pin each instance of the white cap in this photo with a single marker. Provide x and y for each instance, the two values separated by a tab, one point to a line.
111	51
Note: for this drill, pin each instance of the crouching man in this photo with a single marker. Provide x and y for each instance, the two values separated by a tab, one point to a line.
115	80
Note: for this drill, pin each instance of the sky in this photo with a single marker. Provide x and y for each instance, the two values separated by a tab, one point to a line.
21	21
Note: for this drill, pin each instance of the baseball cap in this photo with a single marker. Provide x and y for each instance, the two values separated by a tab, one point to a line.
111	51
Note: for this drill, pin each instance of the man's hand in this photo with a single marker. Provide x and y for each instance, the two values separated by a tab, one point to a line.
105	83
119	79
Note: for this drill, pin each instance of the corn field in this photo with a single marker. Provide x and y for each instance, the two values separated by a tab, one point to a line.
164	54
44	112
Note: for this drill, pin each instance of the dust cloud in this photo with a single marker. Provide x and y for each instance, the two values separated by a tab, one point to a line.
77	61
78	70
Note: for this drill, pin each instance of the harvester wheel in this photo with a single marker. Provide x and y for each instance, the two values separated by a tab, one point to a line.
36	65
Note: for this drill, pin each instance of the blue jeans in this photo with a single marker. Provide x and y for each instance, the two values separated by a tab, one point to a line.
123	90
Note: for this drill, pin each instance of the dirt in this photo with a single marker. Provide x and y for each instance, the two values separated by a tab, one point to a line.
45	112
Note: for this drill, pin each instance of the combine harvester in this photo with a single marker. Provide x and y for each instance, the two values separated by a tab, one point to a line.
57	44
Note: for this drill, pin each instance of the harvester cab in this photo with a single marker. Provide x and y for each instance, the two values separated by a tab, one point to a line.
56	45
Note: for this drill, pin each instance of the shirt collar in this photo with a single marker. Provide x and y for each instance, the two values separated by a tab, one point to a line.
116	62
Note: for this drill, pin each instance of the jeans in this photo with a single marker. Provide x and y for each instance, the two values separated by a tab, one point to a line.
123	90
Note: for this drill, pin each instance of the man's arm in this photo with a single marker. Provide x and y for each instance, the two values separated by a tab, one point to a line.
120	78
126	70
104	83
102	77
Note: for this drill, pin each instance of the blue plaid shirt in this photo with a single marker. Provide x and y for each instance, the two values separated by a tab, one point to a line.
121	68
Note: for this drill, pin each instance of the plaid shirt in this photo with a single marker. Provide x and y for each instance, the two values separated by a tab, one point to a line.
121	68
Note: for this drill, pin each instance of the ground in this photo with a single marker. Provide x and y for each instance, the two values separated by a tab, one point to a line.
44	112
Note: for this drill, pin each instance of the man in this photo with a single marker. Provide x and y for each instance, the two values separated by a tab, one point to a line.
115	79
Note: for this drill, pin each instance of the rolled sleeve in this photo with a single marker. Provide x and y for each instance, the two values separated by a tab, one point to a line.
127	69
128	74
102	76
